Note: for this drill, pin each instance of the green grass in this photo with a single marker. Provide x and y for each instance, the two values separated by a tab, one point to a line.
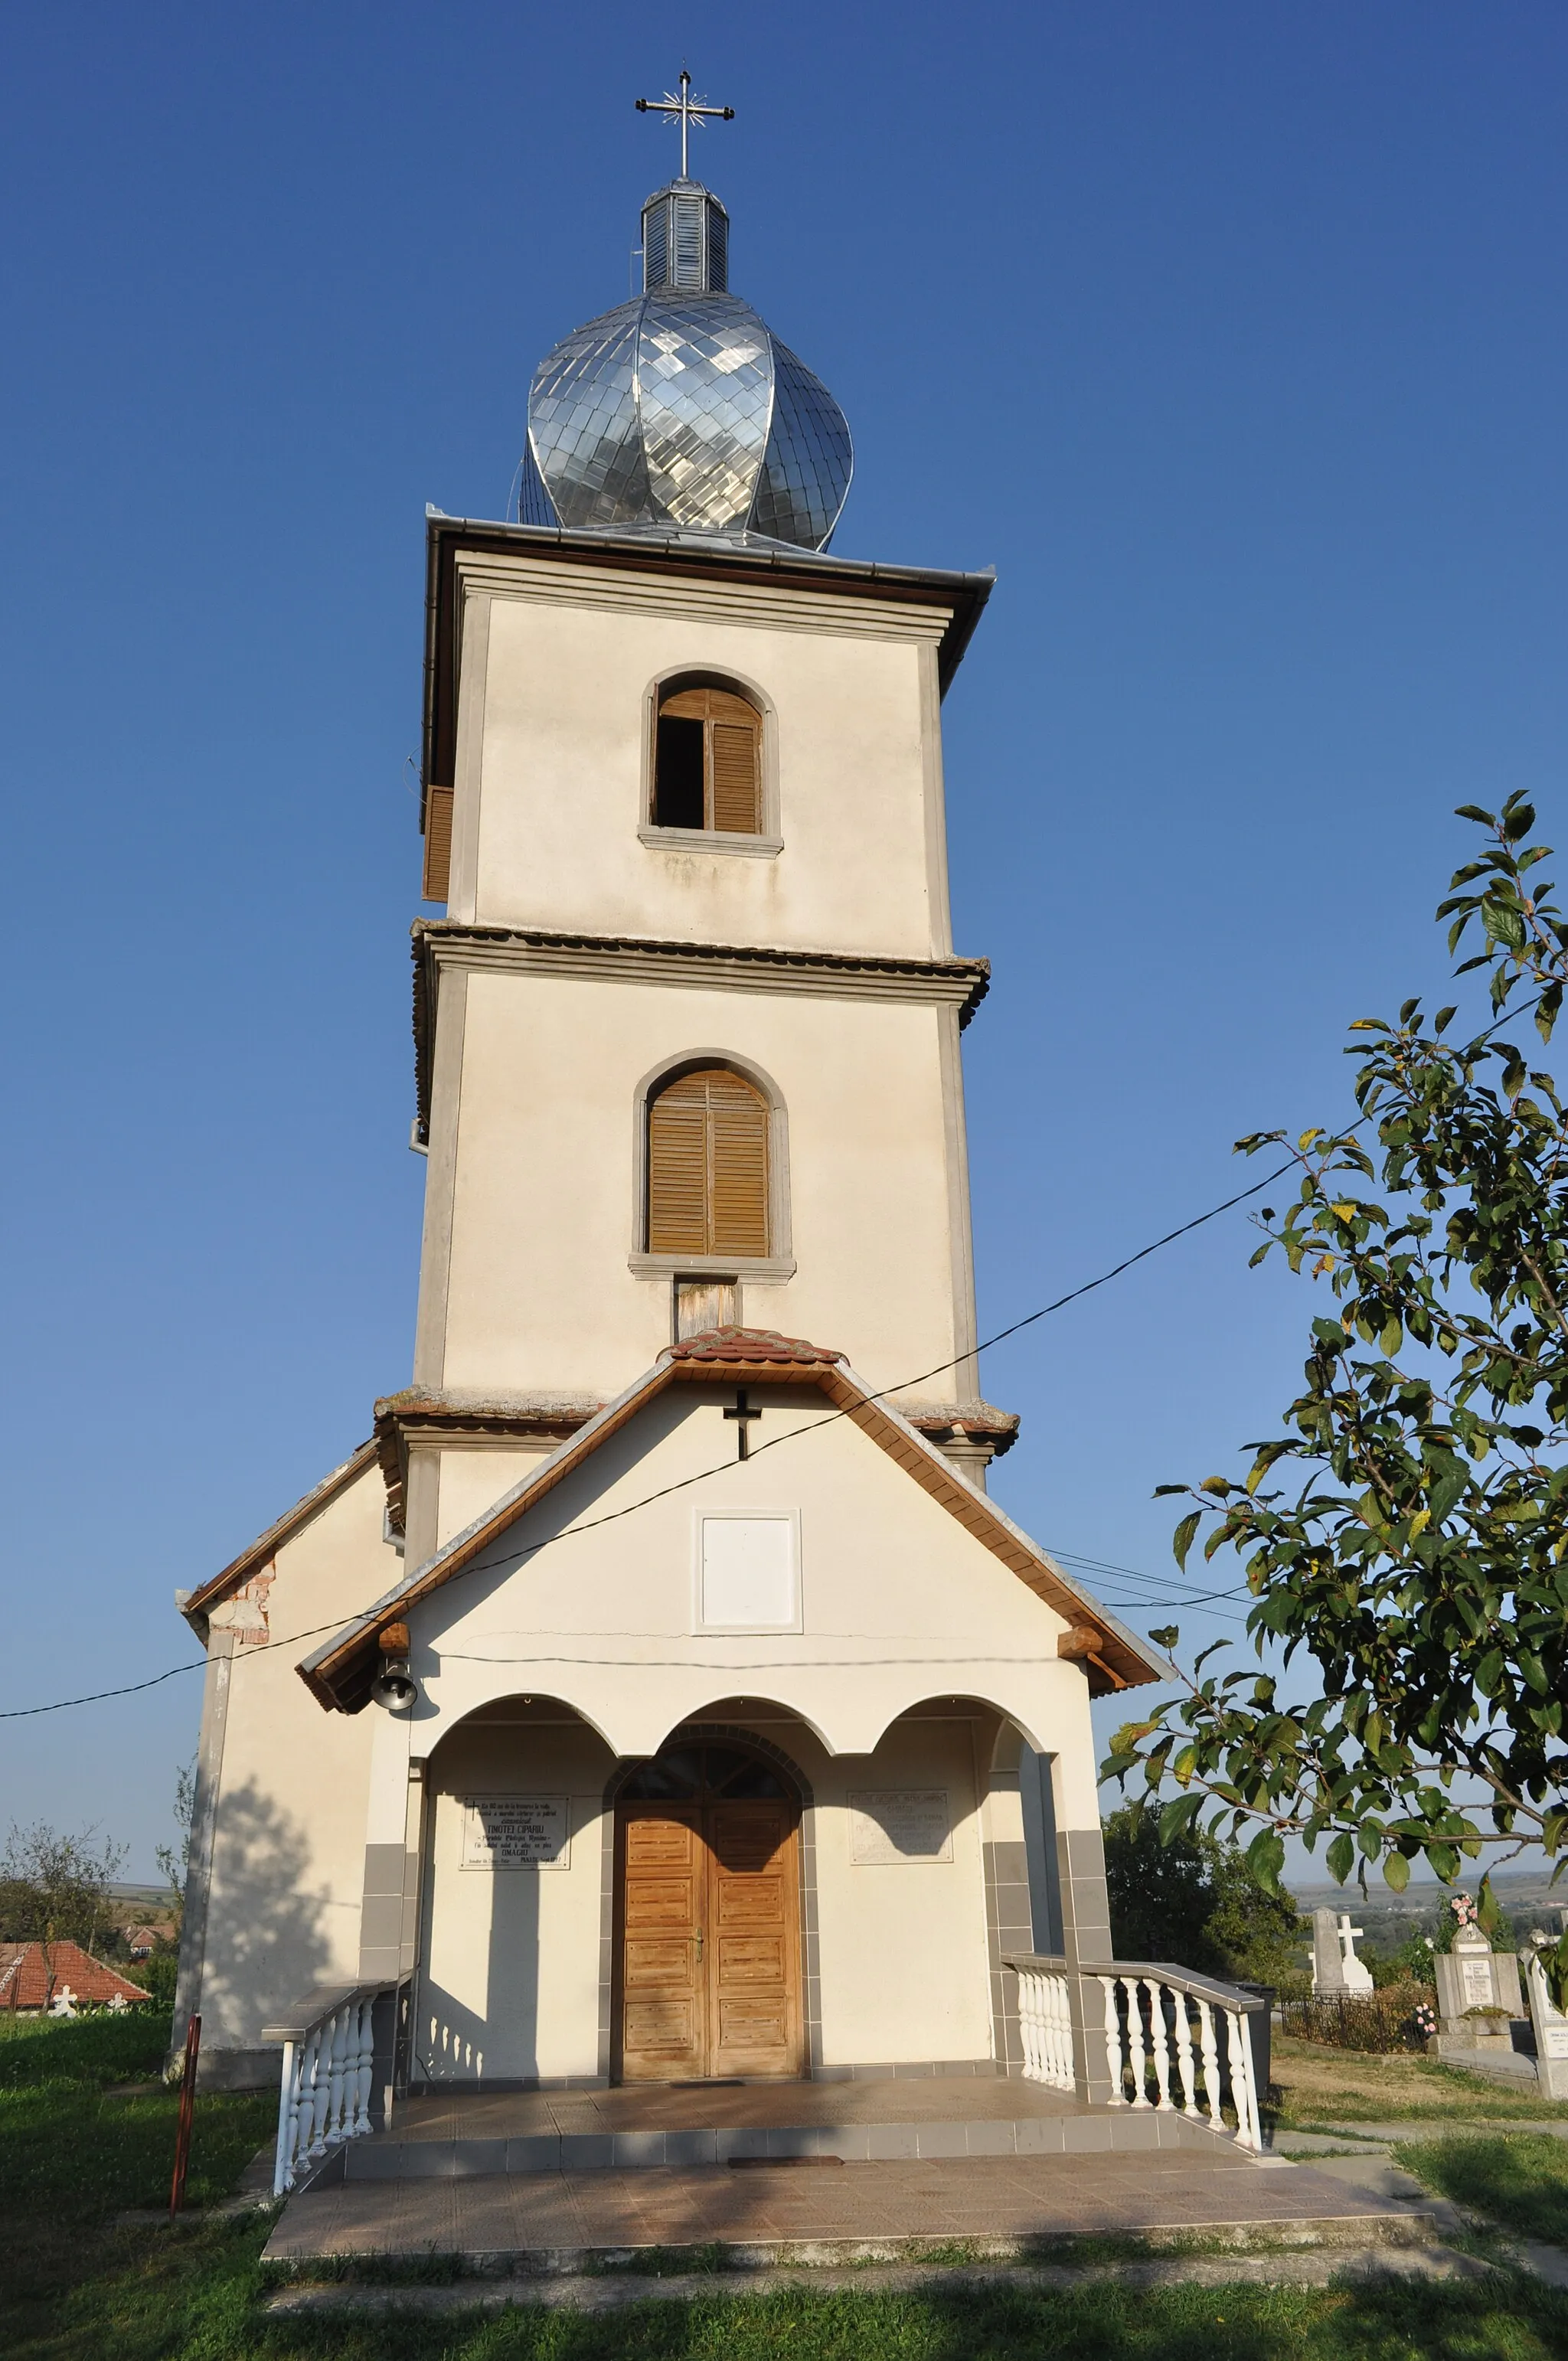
1521	2182
72	2288
94	2050
1314	2085
73	2155
197	2300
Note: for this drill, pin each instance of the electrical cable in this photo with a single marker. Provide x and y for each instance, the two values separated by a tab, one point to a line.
1074	1295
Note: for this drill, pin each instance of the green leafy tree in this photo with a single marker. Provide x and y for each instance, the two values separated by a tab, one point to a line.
1194	1901
1407	1531
54	1887
174	1861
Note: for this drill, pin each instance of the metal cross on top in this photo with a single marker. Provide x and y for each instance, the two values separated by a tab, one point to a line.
744	1417
686	110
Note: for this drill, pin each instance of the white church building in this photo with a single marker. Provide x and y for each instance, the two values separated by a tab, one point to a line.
657	1696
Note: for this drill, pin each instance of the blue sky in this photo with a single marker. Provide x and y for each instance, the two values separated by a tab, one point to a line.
1233	337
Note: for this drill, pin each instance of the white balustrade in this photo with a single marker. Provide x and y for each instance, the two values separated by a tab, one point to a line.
1045	2021
328	2074
1151	2016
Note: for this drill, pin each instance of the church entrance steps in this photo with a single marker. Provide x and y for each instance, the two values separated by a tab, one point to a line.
993	2208
451	2134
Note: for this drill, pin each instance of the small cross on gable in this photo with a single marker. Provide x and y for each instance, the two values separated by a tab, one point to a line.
743	1416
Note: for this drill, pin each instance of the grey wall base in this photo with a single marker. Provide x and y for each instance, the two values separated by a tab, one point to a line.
238	2070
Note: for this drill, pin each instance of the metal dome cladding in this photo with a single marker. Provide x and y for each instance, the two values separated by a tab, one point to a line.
681	410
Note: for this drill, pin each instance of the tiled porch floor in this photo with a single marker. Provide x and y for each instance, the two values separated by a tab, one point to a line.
554	2221
665	2106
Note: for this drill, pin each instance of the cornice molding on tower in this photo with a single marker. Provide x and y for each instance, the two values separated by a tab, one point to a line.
762	605
960	983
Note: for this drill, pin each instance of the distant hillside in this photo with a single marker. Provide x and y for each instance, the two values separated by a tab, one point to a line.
1387	1917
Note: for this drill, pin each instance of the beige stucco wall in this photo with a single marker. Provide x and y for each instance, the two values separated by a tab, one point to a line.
904	1971
471	1480
288	1845
509	1984
536	1288
900	1602
553	783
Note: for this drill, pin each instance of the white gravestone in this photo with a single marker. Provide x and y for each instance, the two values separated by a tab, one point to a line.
1472	1975
1336	1971
1550	2031
516	1832
899	1826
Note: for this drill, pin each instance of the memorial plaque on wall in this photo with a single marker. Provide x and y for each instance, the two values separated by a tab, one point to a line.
516	1832
897	1825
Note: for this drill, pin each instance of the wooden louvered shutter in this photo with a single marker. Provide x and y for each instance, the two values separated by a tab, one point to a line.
707	1168
734	746
737	1207
437	843
677	1168
732	751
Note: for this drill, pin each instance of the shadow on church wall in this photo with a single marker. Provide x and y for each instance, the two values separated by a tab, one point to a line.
268	1940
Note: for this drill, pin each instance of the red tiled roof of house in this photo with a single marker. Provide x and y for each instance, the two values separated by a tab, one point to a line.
751	1344
25	1980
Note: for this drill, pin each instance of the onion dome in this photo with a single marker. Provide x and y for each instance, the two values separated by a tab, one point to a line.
681	412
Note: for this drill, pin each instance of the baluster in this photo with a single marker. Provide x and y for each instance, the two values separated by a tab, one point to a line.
320	2088
288	2118
1114	2050
1158	2044
1184	2055
367	2075
305	2107
1026	2027
337	2082
1035	2031
1135	2042
1059	2024
1211	2064
1243	2094
348	2073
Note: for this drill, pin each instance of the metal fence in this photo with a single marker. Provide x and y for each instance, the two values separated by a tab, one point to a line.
1373	2021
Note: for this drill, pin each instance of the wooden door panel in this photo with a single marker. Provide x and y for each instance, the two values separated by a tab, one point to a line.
755	1951
744	1903
663	1979
662	2032
662	1843
671	1902
756	2028
751	1960
655	1962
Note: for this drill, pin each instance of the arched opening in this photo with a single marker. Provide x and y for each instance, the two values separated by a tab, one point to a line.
707	1982
708	758
708	1178
509	1879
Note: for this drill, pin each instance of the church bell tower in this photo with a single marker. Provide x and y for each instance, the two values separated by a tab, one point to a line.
688	1028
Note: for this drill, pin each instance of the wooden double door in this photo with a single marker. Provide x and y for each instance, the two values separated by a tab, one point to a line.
709	1982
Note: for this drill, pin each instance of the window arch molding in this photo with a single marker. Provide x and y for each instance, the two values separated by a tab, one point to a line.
768	841
778	1263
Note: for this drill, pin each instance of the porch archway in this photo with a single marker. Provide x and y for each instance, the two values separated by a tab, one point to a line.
706	1953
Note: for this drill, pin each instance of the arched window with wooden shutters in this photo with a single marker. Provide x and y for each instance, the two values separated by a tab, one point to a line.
707	1165
708	762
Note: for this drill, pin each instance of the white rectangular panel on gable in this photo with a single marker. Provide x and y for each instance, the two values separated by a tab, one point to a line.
748	1572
